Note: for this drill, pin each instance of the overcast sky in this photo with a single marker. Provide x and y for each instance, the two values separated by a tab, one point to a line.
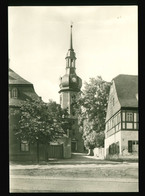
105	40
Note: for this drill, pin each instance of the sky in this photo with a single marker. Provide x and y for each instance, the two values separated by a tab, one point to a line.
105	40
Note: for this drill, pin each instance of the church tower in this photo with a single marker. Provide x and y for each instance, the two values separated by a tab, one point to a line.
70	86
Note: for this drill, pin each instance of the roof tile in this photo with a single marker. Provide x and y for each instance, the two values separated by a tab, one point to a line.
127	90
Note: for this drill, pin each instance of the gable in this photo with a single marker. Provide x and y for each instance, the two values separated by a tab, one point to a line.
113	102
123	93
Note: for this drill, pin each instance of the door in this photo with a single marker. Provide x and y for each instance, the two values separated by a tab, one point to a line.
73	146
130	146
55	151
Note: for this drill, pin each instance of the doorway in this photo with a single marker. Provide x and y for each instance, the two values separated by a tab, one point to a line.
74	146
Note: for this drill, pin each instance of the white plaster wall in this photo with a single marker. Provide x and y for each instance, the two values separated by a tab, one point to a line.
112	109
64	100
125	136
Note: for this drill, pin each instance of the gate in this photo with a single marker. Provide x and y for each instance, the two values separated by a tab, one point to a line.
55	151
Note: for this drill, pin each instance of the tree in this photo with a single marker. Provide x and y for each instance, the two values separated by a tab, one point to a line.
40	122
91	109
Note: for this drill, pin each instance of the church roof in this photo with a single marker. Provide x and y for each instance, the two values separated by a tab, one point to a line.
14	78
127	90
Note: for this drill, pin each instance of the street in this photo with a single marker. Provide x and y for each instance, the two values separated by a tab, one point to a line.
79	174
36	184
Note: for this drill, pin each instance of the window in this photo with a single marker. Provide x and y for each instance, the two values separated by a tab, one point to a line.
113	122
130	120
129	125
24	146
14	93
118	118
135	125
113	101
135	117
129	116
107	126
123	116
123	125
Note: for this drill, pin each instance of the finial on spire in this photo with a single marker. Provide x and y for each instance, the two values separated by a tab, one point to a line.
71	24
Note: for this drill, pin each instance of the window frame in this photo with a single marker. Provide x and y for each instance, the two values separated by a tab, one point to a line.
129	120
129	116
22	143
113	123
14	93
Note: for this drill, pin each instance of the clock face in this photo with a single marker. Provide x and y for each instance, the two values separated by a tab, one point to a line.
74	79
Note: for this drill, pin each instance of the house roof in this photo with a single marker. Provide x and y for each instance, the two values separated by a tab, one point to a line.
14	78
127	90
25	89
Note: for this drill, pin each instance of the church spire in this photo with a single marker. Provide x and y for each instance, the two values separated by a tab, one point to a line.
70	57
71	44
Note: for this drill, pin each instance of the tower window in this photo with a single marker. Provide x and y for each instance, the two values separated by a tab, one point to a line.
14	93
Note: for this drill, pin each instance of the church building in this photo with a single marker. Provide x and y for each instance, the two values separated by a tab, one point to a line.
70	86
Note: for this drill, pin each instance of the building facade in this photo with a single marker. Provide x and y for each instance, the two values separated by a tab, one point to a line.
70	86
19	91
122	123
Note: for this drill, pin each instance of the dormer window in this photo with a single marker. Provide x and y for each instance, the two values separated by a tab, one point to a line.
14	93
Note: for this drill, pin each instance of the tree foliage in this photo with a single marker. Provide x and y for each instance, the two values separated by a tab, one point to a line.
40	121
91	110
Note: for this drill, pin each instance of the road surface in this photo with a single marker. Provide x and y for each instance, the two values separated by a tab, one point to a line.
47	184
79	174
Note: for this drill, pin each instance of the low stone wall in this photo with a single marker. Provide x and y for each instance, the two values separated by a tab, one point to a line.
123	157
99	152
